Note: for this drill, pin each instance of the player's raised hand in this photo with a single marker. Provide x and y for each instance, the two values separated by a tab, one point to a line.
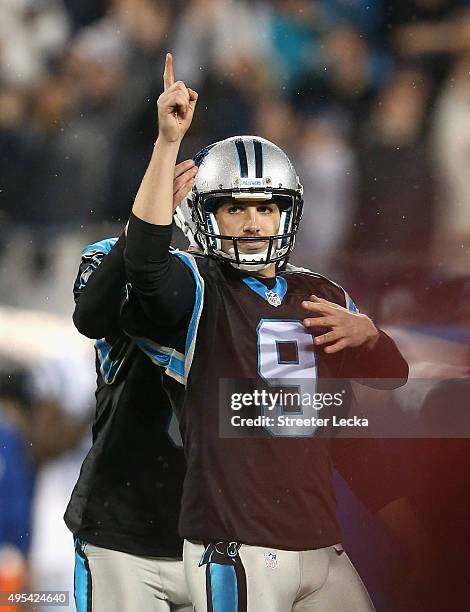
176	106
183	181
345	328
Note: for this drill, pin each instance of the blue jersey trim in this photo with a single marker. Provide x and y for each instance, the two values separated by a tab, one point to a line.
176	364
260	288
108	368
165	357
92	255
197	310
350	305
103	245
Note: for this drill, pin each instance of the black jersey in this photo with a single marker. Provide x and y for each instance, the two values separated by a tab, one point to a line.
265	490
128	494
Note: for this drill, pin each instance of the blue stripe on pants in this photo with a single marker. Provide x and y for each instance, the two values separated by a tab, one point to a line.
224	591
82	583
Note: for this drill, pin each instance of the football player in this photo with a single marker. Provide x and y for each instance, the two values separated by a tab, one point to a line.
258	512
98	294
124	508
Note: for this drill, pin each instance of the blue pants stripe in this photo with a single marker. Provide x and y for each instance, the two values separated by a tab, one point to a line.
224	588
82	582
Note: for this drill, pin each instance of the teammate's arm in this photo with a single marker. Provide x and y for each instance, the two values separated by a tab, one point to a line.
98	289
162	283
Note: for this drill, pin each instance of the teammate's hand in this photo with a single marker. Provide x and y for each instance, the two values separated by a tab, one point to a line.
183	181
175	106
346	328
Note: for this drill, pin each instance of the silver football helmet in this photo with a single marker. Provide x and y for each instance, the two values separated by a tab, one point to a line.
245	168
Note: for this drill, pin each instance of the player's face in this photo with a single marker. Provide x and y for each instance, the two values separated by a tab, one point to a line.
250	219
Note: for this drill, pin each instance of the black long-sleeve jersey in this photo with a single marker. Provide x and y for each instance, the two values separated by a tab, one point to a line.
216	330
128	494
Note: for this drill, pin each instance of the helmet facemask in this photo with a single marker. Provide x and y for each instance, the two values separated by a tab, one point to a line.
278	246
230	180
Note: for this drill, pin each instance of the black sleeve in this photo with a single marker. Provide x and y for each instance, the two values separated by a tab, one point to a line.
367	469
161	282
98	292
382	367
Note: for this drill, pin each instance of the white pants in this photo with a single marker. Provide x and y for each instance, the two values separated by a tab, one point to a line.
261	579
111	580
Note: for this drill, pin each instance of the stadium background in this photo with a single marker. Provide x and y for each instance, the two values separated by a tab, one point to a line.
372	102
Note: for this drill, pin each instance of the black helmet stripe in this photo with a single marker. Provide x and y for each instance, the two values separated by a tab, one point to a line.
258	158
242	157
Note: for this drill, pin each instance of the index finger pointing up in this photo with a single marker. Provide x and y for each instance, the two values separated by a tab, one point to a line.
168	74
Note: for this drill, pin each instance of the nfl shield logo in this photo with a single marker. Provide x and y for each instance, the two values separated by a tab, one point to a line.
270	559
273	298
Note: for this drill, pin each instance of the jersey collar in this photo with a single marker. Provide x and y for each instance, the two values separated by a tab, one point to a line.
273	296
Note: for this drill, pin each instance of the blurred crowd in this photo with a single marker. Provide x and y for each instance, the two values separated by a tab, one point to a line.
370	99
